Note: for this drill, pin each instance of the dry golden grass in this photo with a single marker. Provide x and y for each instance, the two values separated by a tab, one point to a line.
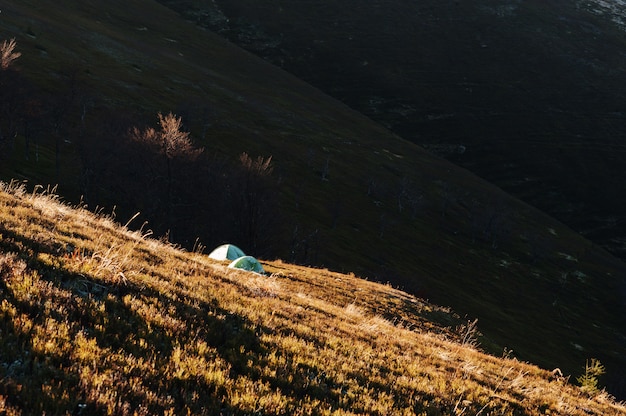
97	319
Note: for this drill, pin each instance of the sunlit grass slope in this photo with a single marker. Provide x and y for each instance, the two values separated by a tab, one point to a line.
97	319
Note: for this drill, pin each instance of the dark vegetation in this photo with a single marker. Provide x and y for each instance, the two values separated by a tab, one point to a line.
174	183
184	192
287	172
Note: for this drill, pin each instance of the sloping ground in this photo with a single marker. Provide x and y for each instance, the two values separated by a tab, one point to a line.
96	319
354	197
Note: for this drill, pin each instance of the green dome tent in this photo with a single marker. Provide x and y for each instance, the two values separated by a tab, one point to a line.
226	252
248	263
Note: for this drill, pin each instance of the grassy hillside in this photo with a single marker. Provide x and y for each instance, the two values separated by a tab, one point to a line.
97	319
351	196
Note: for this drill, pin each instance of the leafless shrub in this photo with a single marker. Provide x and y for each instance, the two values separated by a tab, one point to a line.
8	54
170	140
259	166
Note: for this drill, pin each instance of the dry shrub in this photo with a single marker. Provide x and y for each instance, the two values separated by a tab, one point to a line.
8	54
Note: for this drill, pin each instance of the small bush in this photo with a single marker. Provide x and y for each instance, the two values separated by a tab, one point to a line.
589	380
8	54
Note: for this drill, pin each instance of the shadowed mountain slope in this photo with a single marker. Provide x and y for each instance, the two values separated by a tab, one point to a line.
527	94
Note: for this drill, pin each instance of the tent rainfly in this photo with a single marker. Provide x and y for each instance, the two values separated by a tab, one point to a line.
248	263
226	252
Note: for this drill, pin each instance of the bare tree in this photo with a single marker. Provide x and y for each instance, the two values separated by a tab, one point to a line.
259	166
254	213
172	143
170	140
8	54
10	94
